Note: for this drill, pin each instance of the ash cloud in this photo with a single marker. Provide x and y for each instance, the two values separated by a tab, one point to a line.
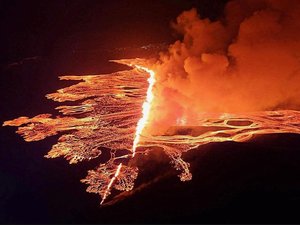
248	60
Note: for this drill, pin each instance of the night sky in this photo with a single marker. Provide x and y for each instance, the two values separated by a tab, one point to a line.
253	182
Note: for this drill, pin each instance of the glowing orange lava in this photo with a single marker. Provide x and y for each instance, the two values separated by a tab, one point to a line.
111	183
140	125
146	108
109	114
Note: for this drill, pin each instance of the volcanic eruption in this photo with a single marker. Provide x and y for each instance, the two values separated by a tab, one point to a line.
226	80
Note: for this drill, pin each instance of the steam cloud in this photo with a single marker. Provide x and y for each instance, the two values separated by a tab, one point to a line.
248	60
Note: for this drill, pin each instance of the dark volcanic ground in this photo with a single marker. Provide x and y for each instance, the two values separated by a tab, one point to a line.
252	182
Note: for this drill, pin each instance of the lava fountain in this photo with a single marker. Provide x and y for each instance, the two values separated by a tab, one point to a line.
146	108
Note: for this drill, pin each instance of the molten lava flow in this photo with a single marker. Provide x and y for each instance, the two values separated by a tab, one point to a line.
111	183
108	117
104	118
146	108
140	125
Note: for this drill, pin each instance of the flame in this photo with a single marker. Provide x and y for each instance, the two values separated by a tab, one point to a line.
146	108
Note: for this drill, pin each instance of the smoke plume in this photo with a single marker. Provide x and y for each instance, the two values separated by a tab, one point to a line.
248	60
